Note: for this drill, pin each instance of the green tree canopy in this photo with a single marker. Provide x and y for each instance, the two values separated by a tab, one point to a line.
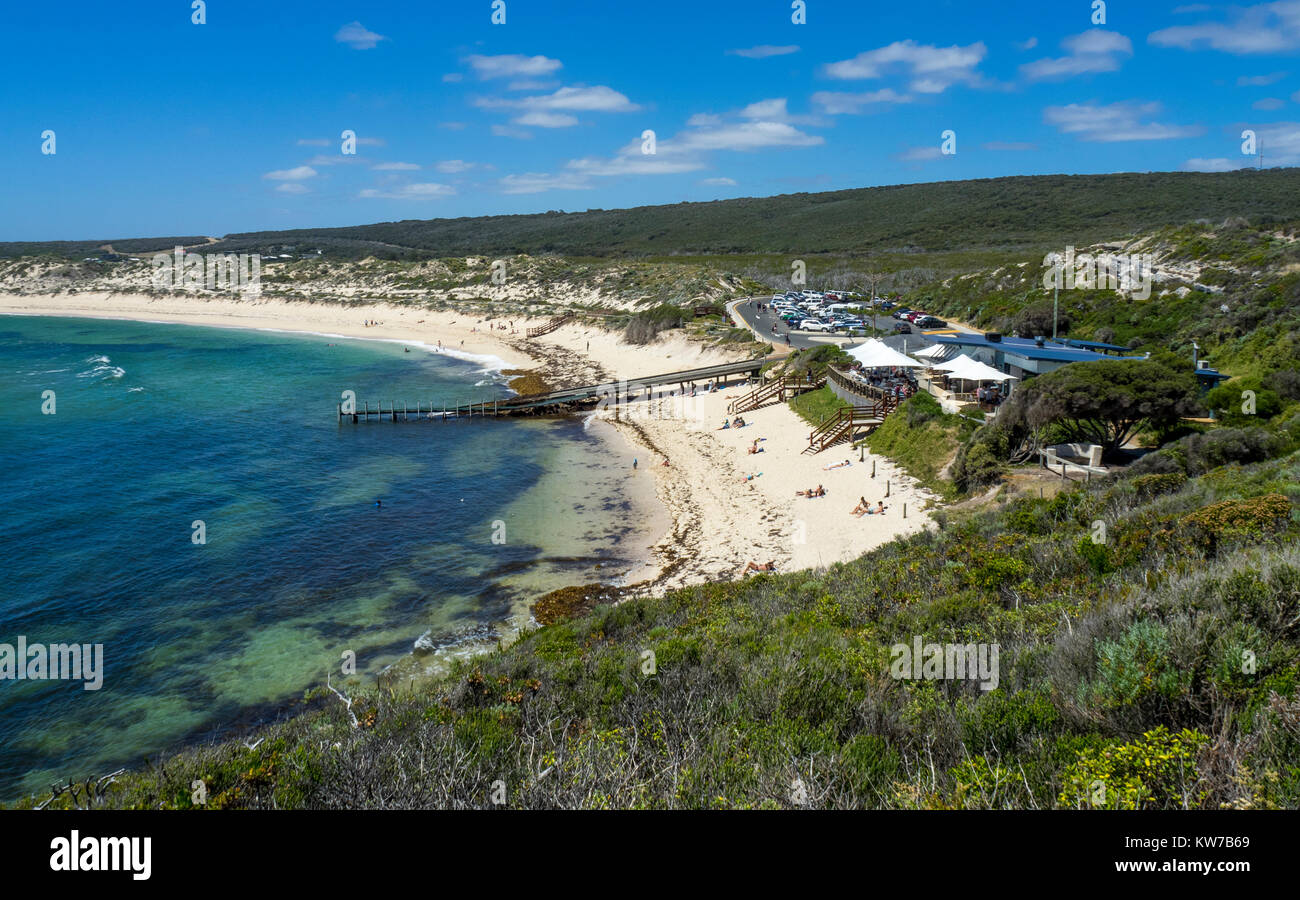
1106	401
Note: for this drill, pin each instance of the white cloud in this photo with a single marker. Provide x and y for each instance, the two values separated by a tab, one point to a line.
542	119
1090	51
634	164
1218	164
1121	121
410	192
510	131
1266	28
917	154
932	69
745	137
1260	80
1280	143
684	151
763	51
512	65
1268	104
1027	45
1009	146
598	98
719	182
295	174
537	182
313	142
454	166
358	37
834	103
292	187
766	109
333	159
532	84
395	167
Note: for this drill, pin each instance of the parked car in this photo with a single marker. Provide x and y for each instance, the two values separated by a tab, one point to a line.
902	328
814	325
901	312
930	322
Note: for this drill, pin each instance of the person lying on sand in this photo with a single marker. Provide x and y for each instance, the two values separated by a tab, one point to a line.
726	424
754	448
862	509
819	491
838	465
738	422
751	566
750	477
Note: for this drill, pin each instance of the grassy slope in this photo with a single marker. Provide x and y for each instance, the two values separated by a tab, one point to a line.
1119	662
921	438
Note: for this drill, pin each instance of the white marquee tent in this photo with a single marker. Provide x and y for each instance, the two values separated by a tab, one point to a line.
875	354
932	352
968	369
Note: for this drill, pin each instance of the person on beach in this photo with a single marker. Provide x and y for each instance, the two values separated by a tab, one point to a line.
751	566
862	509
634	464
838	465
726	424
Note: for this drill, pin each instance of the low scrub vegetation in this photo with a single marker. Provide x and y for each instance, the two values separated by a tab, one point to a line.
1164	677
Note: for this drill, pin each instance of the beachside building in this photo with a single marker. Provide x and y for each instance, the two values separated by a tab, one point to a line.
1024	357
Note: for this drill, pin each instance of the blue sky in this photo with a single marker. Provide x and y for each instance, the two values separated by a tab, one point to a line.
165	127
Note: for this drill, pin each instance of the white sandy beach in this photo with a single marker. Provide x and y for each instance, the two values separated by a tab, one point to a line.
720	520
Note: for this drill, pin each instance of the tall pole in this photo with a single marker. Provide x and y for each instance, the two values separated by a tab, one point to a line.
1056	305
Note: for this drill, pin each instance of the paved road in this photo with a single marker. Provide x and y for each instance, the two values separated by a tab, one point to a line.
762	322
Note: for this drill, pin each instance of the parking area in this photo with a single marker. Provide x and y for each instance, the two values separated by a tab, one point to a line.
801	319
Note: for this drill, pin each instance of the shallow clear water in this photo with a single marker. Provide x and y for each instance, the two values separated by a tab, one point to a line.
157	426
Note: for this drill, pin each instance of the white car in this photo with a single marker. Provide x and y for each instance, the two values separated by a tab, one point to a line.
814	325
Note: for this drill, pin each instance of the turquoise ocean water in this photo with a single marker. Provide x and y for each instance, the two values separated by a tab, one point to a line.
157	426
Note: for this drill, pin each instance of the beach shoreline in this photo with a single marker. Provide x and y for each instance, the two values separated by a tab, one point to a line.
719	518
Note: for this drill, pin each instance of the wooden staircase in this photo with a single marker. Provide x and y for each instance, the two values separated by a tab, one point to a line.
781	388
843	424
548	326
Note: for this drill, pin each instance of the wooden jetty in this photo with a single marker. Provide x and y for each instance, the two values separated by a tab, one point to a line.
551	402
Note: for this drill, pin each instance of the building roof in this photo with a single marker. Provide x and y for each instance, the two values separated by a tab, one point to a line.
1026	347
1092	345
1212	374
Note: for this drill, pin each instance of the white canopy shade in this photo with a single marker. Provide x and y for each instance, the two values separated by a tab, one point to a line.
934	351
968	369
876	353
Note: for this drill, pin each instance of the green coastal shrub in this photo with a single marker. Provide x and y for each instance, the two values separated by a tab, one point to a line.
1134	668
1156	772
1148	486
